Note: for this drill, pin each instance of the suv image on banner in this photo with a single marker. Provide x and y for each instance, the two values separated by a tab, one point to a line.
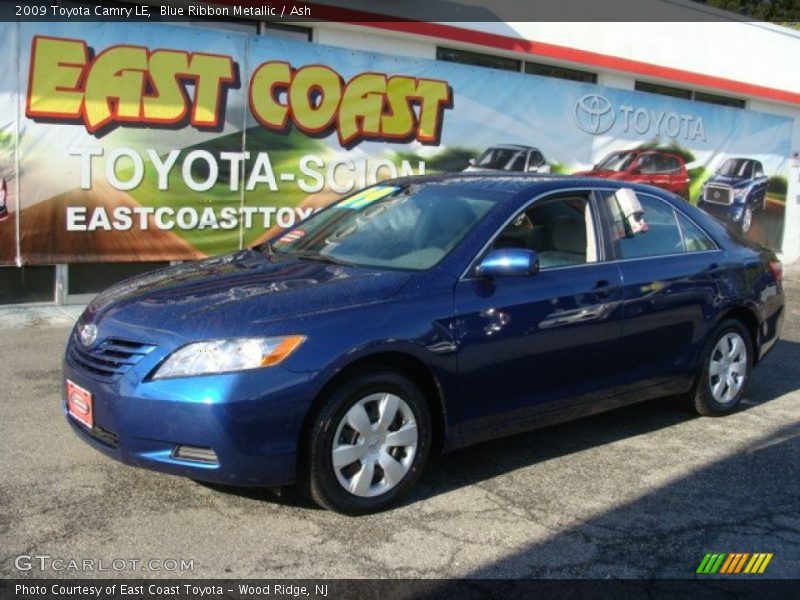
653	167
732	193
510	157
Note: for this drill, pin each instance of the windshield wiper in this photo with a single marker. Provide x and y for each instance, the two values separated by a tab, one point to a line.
325	258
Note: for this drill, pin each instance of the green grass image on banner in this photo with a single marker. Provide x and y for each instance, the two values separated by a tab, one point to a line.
284	153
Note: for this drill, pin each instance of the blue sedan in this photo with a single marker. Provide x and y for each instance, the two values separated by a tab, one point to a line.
419	315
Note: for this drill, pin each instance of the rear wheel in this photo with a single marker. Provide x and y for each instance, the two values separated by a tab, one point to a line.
368	443
728	362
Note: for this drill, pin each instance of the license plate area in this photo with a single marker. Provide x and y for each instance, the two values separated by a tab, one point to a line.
79	404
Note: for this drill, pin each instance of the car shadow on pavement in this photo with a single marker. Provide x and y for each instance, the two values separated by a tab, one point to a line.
745	502
777	375
774	377
286	496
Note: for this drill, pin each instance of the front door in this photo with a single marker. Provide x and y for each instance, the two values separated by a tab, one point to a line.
528	344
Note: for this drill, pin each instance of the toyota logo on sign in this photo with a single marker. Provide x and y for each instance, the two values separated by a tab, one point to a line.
594	114
88	334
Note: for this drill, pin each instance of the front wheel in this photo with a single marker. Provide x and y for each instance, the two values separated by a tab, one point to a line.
727	364
747	219
368	443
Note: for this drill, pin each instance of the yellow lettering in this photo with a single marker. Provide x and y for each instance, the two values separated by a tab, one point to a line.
212	72
167	104
314	97
55	73
362	107
116	77
265	107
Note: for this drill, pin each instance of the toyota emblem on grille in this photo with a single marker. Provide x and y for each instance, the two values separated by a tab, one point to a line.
88	334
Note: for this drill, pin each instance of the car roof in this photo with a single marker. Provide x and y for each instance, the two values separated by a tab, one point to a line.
520	183
512	147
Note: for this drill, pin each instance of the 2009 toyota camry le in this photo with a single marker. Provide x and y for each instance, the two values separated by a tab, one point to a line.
419	314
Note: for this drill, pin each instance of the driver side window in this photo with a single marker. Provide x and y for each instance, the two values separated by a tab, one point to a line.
560	231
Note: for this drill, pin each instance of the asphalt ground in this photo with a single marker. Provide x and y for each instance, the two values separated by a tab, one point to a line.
644	491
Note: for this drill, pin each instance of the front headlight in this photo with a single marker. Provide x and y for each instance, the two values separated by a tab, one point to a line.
740	193
224	356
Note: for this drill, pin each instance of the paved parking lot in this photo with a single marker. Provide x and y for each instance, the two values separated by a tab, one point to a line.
644	491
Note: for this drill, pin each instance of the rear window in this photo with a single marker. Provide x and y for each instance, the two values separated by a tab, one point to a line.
668	231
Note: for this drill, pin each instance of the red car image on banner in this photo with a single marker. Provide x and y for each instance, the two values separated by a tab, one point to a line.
653	167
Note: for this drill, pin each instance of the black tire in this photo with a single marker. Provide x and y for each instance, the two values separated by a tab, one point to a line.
320	479
704	399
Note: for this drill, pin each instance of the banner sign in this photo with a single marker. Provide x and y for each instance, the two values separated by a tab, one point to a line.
142	142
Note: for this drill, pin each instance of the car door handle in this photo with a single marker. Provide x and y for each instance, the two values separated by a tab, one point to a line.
603	288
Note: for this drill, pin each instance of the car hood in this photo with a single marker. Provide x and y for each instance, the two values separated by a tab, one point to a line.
726	180
239	293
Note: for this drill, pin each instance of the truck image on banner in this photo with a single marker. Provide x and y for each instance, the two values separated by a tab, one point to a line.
159	142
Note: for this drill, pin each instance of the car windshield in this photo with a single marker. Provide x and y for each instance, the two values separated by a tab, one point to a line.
735	167
412	226
504	159
618	161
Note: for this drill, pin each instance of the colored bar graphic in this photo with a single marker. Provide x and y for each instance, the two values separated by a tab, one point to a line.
734	562
710	563
758	563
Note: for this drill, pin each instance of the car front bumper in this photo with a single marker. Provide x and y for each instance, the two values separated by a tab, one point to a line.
250	419
731	213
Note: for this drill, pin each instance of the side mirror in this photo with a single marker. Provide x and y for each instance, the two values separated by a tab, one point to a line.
509	262
471	162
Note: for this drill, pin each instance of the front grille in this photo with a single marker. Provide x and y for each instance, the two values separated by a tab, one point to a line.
109	438
110	359
718	194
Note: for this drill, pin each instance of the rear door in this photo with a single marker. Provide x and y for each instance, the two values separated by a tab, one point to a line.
652	171
670	287
678	179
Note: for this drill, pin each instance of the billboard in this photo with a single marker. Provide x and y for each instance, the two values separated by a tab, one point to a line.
140	142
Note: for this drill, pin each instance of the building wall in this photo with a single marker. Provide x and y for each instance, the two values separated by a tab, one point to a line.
755	54
698	56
